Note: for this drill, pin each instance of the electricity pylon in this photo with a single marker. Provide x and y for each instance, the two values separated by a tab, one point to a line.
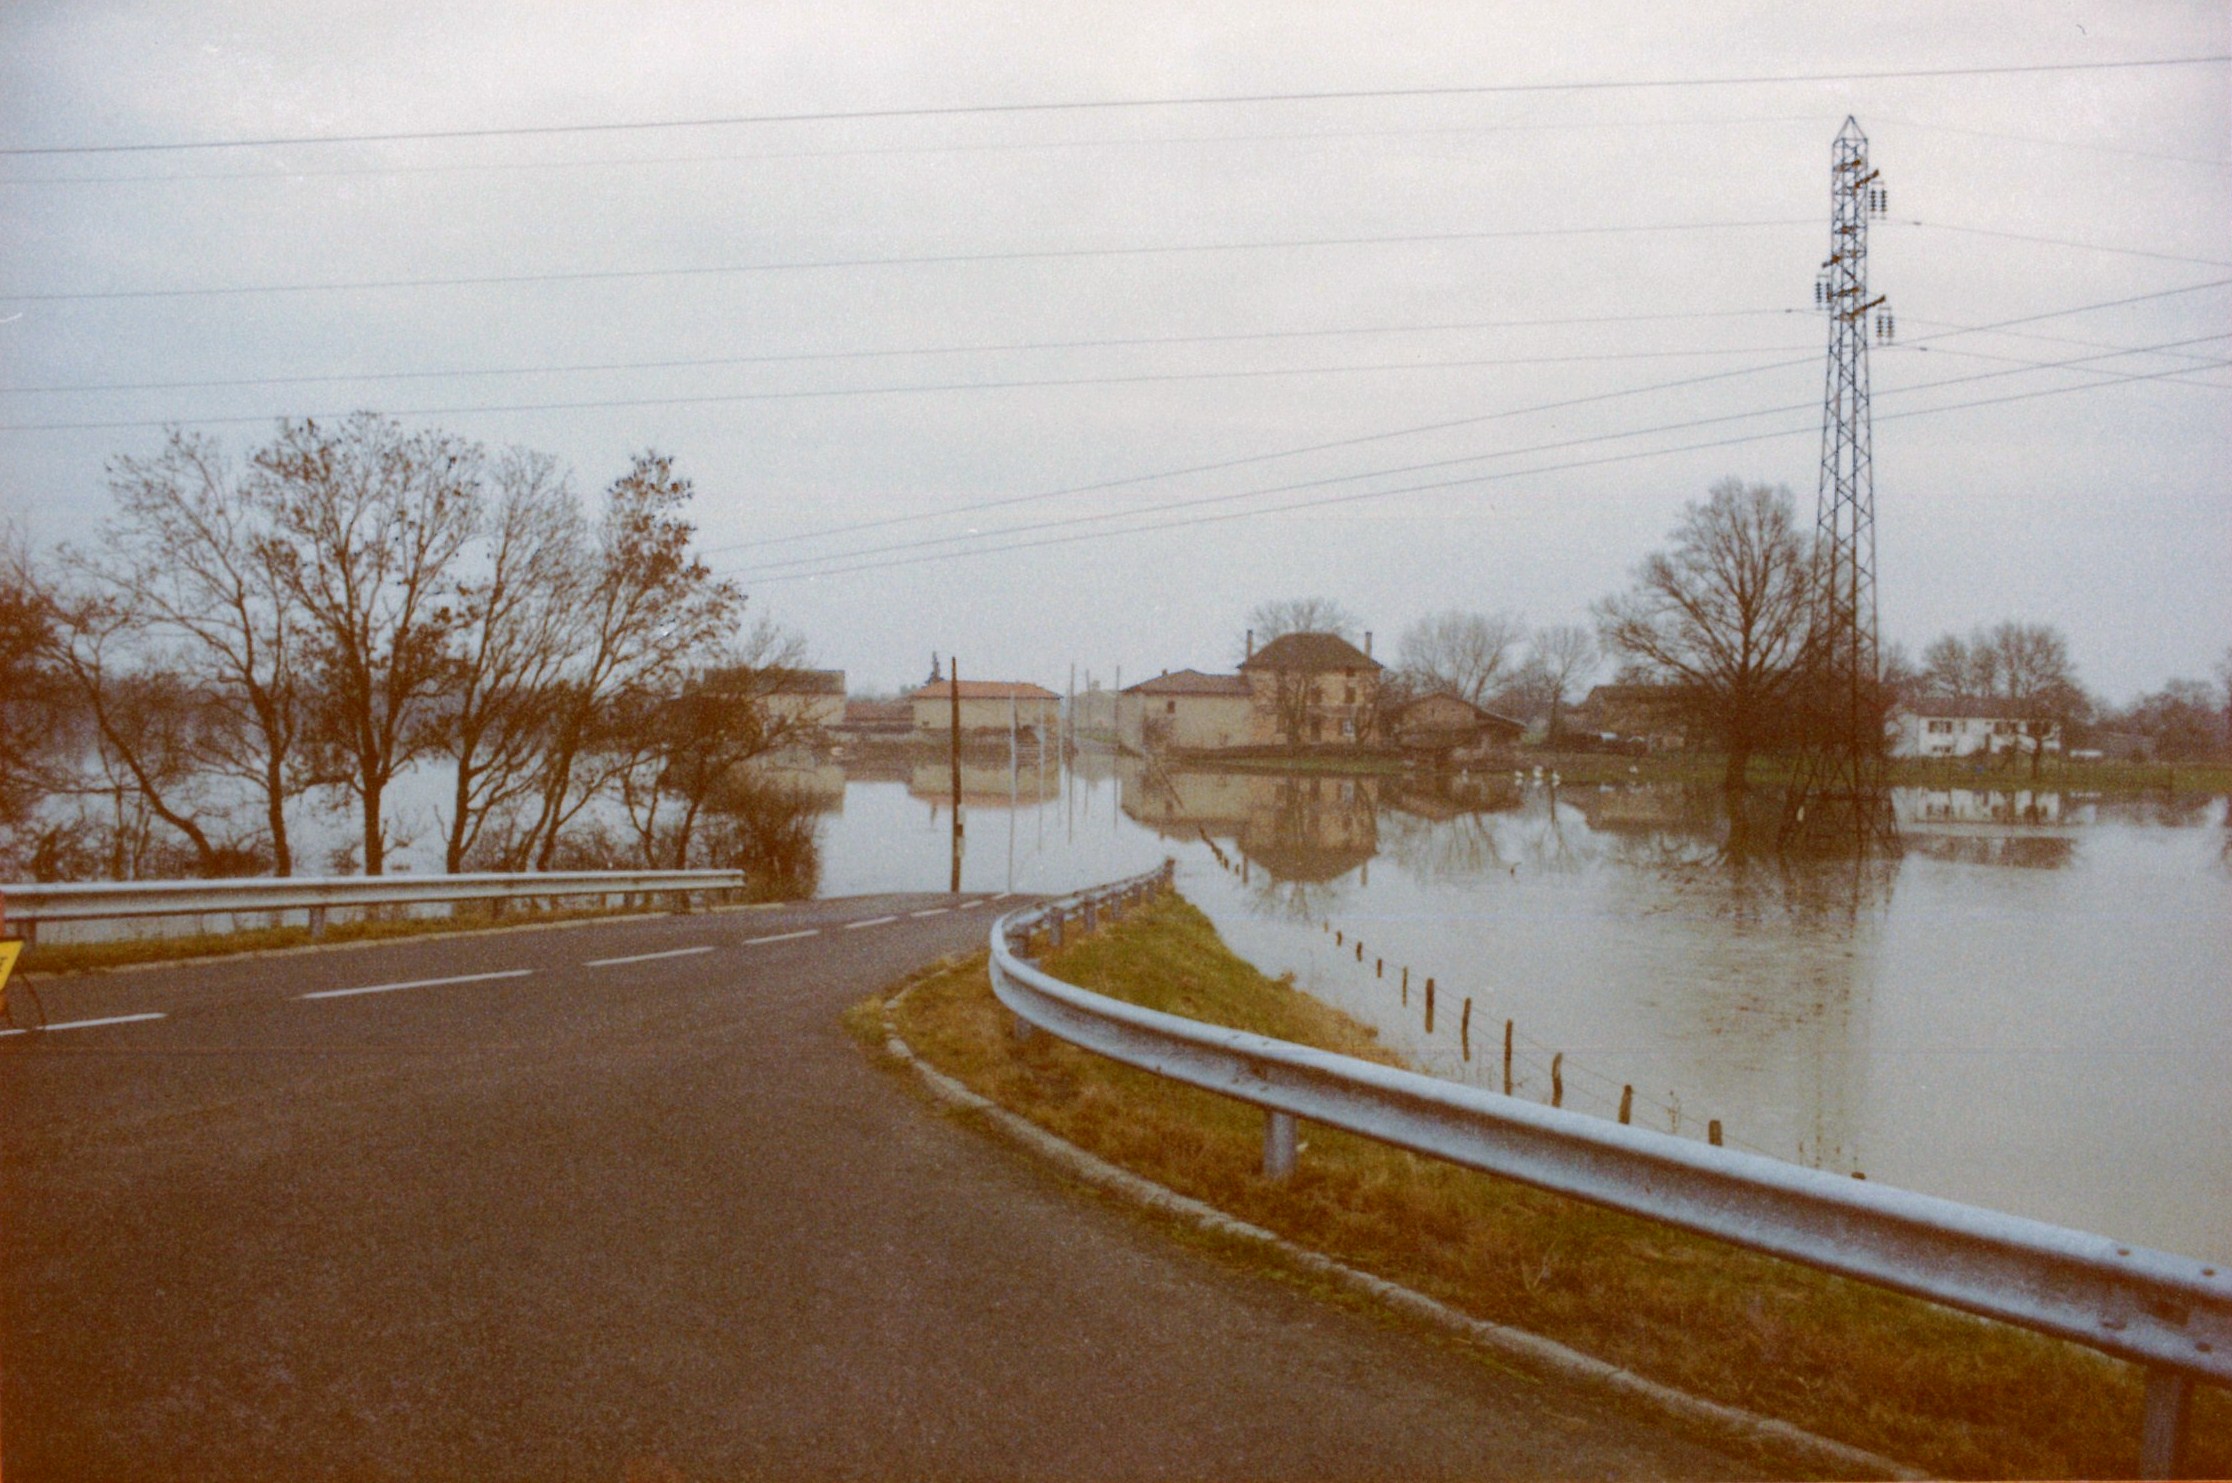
1840	799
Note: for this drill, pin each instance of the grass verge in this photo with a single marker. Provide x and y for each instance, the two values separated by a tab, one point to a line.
58	958
1955	1395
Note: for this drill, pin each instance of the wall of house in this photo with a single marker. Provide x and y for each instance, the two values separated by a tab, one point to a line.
1921	735
817	709
1337	712
1186	722
990	714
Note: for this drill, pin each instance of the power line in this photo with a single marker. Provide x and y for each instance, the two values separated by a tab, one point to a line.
924	388
1218	519
1015	255
854	527
1100	104
696	363
2143	154
875	150
2167	257
760	572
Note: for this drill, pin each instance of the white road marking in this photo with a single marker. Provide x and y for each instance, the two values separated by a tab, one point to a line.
869	922
970	905
114	1019
1004	895
417	983
783	937
935	911
679	952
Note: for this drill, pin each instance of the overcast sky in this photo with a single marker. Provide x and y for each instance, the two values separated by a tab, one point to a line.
1543	264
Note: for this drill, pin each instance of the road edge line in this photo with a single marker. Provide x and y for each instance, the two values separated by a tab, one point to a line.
1543	1356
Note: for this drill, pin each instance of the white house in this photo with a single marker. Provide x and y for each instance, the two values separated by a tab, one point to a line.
1965	726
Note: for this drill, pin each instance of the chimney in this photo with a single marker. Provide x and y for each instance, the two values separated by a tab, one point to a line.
1251	643
1367	643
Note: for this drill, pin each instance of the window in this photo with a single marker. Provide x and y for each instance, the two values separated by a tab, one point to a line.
1170	707
1351	696
1941	728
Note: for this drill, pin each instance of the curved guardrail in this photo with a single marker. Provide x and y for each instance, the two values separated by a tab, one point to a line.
2172	1314
28	904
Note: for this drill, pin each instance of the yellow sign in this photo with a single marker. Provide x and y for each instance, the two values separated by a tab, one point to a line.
11	948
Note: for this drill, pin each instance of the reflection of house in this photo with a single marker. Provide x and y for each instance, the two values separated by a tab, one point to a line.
985	786
1186	711
806	699
1311	689
1443	723
1296	828
1653	714
986	705
1963	726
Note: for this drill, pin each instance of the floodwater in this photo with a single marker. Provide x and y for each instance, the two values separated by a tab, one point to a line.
2030	1010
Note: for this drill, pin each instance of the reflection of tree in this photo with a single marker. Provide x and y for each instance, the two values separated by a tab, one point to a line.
2026	851
1311	828
1293	900
1458	848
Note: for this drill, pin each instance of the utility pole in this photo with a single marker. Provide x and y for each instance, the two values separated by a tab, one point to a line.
1840	800
953	691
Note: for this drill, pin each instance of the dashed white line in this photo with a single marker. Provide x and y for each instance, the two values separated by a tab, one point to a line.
868	922
418	983
677	952
783	937
935	911
970	905
114	1019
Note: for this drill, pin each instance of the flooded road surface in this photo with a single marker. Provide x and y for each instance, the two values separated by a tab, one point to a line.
2031	1010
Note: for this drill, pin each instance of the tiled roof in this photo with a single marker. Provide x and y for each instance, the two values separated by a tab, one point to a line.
1191	682
984	690
1312	653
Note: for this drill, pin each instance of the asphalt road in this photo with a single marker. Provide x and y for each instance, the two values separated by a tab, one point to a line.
623	1202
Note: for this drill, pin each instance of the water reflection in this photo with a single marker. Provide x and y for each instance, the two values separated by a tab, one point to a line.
2024	1010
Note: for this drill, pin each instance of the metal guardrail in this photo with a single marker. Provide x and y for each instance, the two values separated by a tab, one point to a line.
28	904
2171	1314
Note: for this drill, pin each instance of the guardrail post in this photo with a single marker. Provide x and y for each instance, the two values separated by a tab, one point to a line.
1278	1145
1092	917
1054	920
2162	1435
317	922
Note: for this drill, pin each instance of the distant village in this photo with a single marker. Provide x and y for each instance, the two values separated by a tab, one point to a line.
1315	693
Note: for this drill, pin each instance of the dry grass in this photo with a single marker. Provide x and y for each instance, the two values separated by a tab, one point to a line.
1955	1395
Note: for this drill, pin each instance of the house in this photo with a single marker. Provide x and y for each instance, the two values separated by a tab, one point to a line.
1442	722
1311	689
1187	711
1963	726
986	705
1656	715
806	699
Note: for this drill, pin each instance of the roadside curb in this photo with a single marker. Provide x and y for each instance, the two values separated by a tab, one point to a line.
1530	1351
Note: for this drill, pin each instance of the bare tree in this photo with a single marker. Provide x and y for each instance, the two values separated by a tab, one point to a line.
1722	614
192	559
685	749
650	611
1561	657
367	520
2032	666
1464	654
1285	615
31	697
147	734
518	622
